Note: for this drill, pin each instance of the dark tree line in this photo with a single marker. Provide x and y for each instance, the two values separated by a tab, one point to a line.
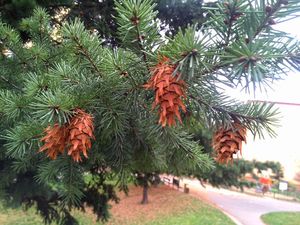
100	15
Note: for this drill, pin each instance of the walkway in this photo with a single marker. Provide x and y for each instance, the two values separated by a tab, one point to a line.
246	209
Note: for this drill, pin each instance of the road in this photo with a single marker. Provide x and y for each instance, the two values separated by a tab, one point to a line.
246	209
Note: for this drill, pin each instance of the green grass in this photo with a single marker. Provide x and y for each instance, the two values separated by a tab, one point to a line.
198	214
282	218
18	216
185	210
205	215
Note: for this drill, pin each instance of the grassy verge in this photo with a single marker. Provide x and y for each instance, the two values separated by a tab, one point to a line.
18	216
166	206
279	218
197	214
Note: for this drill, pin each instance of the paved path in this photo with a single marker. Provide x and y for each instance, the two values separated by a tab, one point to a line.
246	209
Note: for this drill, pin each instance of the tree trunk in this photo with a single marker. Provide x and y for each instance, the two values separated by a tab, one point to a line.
145	190
201	182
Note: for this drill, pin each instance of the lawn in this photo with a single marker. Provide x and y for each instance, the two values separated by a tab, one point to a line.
280	218
166	206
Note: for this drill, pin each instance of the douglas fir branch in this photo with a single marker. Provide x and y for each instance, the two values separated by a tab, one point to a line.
82	105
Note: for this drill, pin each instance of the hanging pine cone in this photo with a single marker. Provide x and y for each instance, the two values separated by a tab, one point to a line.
55	140
228	142
169	91
76	136
80	133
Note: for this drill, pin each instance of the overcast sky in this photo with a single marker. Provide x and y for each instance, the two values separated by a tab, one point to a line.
285	148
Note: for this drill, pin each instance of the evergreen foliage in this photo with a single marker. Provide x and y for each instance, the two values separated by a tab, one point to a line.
61	69
99	15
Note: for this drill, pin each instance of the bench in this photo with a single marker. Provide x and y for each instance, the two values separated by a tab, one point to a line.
166	180
175	182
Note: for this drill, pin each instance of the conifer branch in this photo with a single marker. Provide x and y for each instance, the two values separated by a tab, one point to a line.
10	83
229	31
22	61
127	74
213	69
87	55
229	26
140	43
269	15
231	113
61	77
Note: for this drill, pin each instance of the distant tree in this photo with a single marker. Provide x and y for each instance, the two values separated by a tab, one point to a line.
233	175
276	168
13	11
99	15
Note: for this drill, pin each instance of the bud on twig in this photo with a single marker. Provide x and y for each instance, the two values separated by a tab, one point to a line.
135	20
194	51
271	21
242	59
268	9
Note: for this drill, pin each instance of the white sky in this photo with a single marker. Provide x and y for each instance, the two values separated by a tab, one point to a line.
285	148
